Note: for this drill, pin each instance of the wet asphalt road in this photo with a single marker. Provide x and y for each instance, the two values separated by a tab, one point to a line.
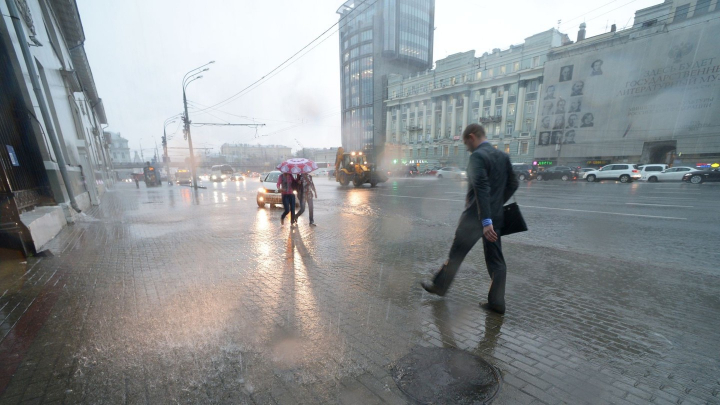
168	295
666	223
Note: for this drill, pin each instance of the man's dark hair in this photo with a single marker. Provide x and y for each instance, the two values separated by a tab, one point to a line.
476	129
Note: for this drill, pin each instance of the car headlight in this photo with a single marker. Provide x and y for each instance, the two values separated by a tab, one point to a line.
214	176
262	190
223	176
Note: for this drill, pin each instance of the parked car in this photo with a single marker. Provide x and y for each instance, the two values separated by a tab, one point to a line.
268	192
647	170
563	173
451	173
431	172
405	171
584	170
670	174
523	171
702	176
625	172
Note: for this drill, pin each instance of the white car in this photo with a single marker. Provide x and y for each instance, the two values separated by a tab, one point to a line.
646	171
451	173
671	174
625	172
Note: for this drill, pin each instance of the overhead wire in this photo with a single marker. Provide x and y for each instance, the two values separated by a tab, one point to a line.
231	98
475	68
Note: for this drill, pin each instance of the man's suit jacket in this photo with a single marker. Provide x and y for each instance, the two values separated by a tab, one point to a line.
491	183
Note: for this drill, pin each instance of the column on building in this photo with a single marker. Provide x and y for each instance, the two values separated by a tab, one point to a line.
520	107
424	121
537	108
491	131
398	116
433	125
506	94
388	126
481	106
443	119
466	111
415	124
453	117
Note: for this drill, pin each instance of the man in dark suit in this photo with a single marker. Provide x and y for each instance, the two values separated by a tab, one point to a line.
491	183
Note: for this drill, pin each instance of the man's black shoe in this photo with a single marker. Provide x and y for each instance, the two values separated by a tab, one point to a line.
429	286
494	308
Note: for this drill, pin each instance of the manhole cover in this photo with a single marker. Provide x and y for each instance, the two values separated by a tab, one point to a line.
433	375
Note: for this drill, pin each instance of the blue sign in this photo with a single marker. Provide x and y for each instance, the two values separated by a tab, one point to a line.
13	156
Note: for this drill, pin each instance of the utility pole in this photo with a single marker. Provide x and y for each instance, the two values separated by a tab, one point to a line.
186	117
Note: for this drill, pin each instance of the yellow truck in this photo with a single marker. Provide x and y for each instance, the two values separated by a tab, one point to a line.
354	167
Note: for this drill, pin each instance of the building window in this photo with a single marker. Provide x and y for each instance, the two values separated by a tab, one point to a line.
702	7
498	110
509	127
446	150
535	61
530	108
507	148
502	69
478	76
500	92
514	89
453	81
457	150
528	125
511	110
516	66
681	12
490	73
435	151
497	129
486	112
532	86
488	94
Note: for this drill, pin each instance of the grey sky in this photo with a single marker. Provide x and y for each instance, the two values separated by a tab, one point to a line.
139	51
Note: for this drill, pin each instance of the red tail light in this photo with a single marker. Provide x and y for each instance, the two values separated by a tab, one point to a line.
636	171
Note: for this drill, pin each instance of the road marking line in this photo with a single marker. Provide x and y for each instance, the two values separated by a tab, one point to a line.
673	192
422	198
603	212
547	208
662	205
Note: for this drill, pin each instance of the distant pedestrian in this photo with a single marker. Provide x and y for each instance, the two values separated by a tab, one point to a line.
491	183
287	185
308	188
137	182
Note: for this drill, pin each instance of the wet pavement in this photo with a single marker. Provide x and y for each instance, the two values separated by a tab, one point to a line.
168	295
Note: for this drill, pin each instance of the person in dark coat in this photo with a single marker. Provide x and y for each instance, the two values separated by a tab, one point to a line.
287	185
491	183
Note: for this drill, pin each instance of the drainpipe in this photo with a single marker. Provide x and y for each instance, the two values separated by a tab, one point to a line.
32	70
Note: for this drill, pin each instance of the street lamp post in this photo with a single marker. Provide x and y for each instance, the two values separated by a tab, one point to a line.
164	144
187	117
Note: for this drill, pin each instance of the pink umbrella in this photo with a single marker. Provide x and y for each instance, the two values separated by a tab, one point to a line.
297	166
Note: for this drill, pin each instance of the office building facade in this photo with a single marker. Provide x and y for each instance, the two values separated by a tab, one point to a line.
378	39
647	94
427	112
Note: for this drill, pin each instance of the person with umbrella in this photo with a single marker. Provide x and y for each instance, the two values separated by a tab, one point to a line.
307	188
288	184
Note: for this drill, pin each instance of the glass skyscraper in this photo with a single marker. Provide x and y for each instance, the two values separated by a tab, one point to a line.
377	38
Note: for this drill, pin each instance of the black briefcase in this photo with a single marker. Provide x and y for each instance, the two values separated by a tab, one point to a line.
513	221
